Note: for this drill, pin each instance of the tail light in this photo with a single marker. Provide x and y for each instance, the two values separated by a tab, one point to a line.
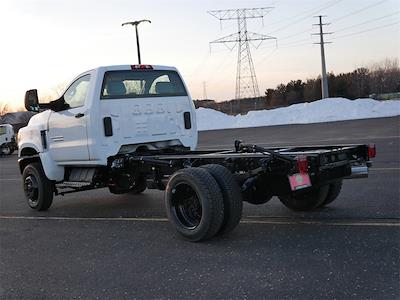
371	150
302	164
141	67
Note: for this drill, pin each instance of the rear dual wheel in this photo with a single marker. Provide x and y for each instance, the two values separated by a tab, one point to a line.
203	202
139	186
334	191
231	194
314	198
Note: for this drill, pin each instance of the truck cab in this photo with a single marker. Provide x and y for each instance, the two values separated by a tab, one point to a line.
108	111
7	139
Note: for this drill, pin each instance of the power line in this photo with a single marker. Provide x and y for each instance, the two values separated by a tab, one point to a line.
310	12
359	10
301	43
332	3
294	34
367	30
368	21
296	43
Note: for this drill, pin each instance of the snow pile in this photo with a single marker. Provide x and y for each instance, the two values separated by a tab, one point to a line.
326	110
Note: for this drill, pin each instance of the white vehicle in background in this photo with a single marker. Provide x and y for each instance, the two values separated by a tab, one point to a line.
7	139
132	128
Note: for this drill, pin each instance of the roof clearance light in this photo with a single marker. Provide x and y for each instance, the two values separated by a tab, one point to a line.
141	67
371	150
302	164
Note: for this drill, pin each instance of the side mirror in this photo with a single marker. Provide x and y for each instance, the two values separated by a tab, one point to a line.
32	101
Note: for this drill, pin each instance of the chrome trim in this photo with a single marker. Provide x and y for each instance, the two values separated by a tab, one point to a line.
358	172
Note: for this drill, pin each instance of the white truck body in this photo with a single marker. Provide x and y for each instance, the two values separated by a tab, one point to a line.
77	136
7	137
132	128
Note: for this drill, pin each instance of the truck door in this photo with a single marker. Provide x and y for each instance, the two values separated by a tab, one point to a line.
3	135
67	133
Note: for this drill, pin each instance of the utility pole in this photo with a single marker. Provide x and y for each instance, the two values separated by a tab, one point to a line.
204	90
324	79
246	81
136	23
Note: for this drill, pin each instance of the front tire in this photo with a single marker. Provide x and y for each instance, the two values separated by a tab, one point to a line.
37	187
194	204
306	200
6	150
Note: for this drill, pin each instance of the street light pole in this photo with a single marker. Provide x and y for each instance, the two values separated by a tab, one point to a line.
136	23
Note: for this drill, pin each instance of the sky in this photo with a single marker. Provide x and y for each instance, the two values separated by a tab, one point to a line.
46	43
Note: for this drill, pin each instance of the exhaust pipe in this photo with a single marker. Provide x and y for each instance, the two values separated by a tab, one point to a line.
358	172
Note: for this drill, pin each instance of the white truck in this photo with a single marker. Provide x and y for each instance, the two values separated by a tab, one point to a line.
132	127
7	139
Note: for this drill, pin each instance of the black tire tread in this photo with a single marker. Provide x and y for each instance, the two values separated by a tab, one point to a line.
306	201
45	185
140	188
232	196
208	186
333	193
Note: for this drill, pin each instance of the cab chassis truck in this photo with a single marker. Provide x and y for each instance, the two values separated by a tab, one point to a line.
130	128
7	140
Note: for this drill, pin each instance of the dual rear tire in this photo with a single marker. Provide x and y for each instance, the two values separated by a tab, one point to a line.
203	202
312	199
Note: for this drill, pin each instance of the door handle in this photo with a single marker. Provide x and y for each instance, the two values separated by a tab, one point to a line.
79	115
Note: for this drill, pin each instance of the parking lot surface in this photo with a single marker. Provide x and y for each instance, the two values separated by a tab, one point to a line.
96	245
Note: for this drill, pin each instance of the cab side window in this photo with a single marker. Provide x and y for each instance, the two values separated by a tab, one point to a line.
75	95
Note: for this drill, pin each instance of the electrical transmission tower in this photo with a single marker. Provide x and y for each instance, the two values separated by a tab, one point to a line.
246	81
324	79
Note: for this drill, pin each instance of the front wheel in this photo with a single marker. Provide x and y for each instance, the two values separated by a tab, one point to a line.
38	188
306	200
6	150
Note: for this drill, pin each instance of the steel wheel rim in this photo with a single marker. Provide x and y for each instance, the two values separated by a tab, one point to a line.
6	150
186	206
31	190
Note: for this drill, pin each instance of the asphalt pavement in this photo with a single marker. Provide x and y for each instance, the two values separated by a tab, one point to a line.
95	245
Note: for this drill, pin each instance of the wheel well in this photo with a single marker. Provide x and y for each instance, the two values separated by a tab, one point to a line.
24	161
142	149
28	152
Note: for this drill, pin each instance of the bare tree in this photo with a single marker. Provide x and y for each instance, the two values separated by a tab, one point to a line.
385	76
53	94
4	108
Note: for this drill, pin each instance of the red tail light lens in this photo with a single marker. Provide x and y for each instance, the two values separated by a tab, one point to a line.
302	164
141	67
371	150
